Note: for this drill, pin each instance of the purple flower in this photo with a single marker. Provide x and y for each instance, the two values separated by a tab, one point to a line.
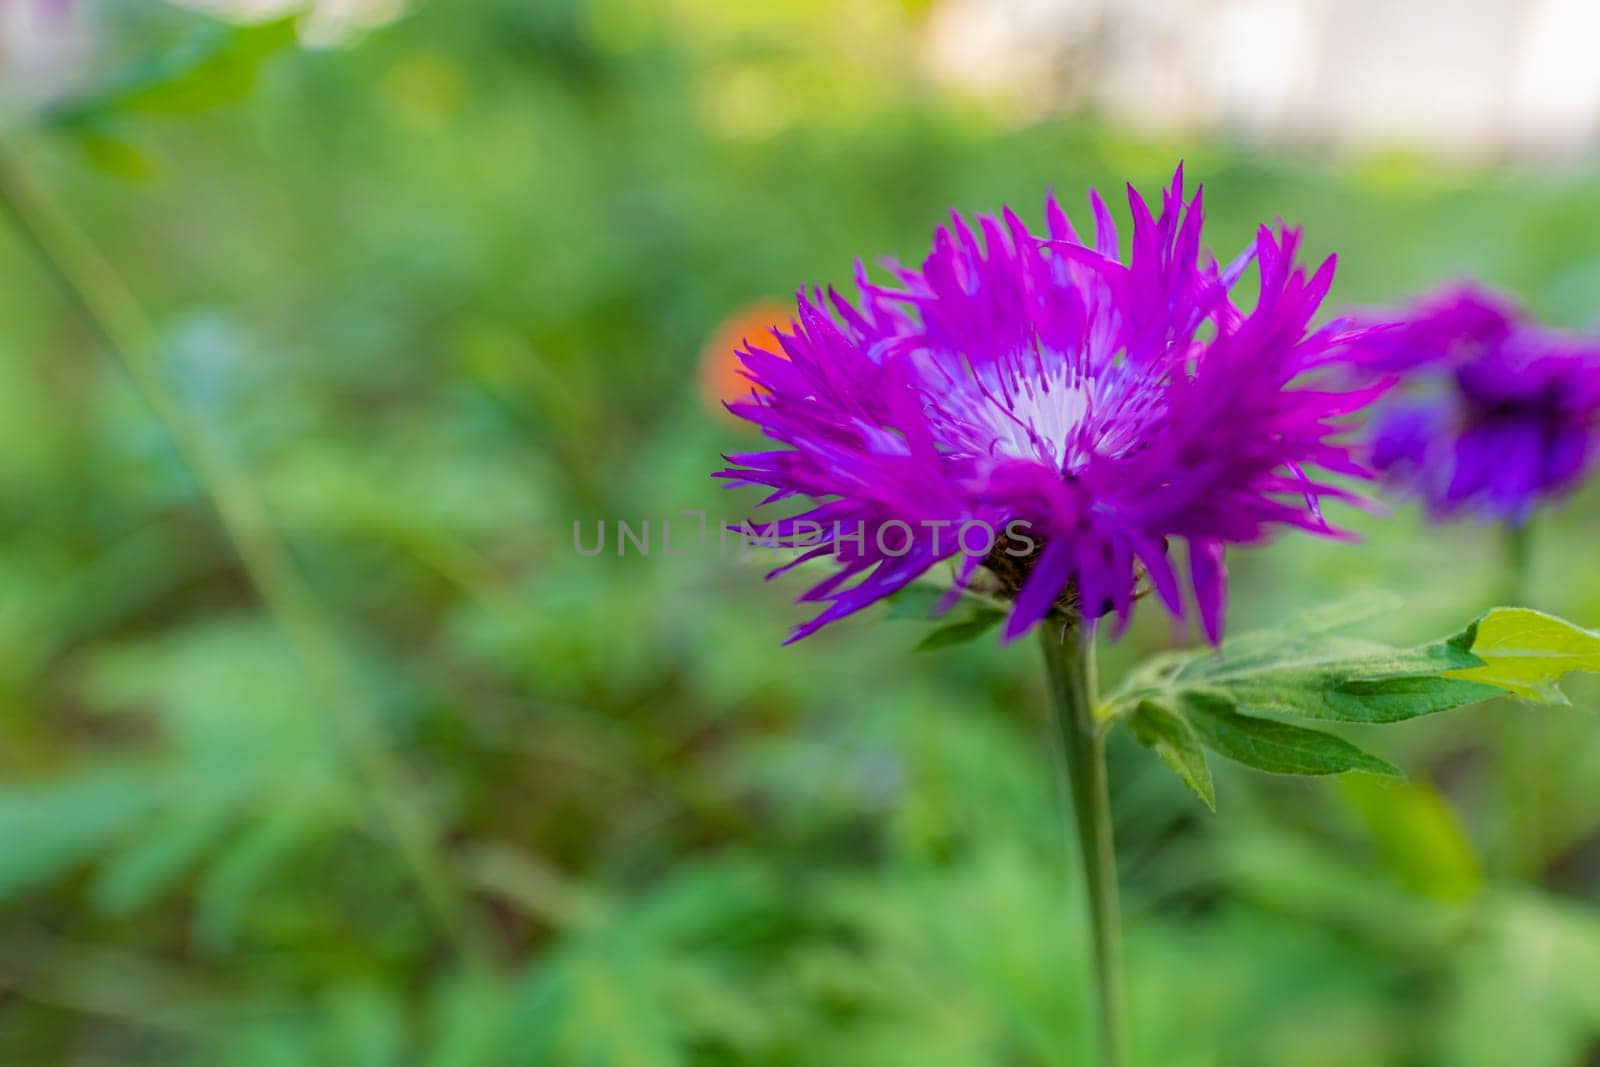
1498	413
1104	408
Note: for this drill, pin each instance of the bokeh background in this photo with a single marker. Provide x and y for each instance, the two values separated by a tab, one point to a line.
381	771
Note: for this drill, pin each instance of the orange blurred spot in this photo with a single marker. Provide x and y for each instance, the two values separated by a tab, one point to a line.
721	371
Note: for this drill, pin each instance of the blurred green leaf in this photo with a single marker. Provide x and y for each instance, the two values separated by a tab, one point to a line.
114	155
978	622
469	1021
1525	982
52	827
217	67
242	868
155	859
915	601
970	617
1420	838
368	1026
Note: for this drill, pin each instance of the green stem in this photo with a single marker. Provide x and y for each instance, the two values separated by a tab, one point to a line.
111	312
1070	663
1519	559
1518	738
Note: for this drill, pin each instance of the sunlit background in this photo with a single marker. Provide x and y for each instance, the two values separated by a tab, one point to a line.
383	771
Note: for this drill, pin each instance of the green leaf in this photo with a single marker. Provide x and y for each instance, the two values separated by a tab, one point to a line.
154	860
979	622
1526	653
971	618
1227	697
51	827
1301	672
114	155
1420	839
1331	693
915	601
1260	654
255	856
1175	741
1268	745
212	69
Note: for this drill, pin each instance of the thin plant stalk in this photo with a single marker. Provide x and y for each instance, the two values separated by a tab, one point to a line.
1518	562
111	312
1518	759
1070	663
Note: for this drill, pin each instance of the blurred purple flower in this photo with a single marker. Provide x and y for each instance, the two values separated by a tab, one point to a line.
1498	413
1114	406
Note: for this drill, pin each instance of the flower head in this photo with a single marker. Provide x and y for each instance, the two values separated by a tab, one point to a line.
1103	407
1499	412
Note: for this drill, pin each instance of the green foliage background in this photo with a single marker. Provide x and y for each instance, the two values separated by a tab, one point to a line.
440	292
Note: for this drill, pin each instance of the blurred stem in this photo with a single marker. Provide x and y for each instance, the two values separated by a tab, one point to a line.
1070	662
112	313
1519	562
1518	759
